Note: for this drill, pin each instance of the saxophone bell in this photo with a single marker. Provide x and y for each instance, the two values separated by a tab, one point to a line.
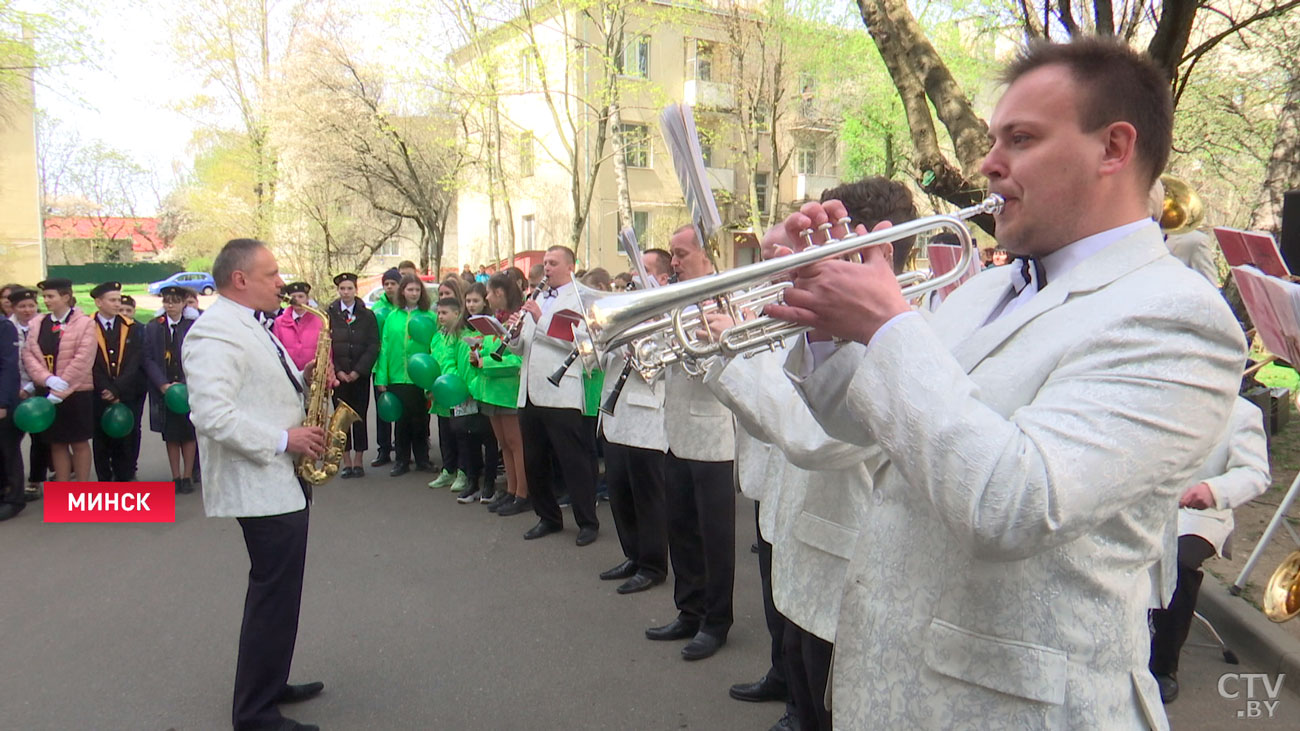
317	395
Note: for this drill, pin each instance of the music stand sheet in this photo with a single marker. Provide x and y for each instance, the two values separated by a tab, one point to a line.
1251	248
1274	307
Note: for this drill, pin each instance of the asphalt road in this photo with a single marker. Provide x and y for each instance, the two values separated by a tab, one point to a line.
418	613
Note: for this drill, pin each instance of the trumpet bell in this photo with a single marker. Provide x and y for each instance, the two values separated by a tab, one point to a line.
1282	595
1182	210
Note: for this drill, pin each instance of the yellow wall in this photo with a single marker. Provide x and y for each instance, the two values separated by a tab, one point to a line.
22	257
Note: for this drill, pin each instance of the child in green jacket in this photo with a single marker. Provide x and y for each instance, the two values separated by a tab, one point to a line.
411	431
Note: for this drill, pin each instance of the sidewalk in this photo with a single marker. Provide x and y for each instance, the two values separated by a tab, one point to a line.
1247	631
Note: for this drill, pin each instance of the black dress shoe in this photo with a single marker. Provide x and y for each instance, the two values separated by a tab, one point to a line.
638	582
678	629
625	570
381	460
1168	688
358	472
9	510
288	724
764	690
787	723
586	536
399	469
300	693
704	645
345	473
186	486
543	528
424	467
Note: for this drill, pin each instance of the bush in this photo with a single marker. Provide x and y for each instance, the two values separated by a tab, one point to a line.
199	264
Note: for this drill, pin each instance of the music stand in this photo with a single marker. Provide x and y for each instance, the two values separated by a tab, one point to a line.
1271	302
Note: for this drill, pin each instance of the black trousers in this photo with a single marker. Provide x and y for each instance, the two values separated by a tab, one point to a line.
808	667
383	429
448	447
701	503
775	621
115	458
137	408
468	432
635	478
356	395
564	433
277	553
11	462
411	431
1173	624
38	458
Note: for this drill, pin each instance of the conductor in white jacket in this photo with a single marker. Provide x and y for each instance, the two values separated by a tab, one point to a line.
246	402
1036	431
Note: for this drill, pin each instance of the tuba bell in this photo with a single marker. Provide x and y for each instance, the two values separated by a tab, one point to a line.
1282	595
1182	210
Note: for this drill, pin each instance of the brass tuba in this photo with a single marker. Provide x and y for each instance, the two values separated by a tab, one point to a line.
318	406
1282	595
1182	209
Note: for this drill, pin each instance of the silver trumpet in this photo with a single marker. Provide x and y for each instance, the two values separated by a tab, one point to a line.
668	325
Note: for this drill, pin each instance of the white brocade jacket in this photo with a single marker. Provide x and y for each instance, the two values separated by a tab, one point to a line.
1031	467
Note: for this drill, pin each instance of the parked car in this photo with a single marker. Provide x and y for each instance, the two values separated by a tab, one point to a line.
200	282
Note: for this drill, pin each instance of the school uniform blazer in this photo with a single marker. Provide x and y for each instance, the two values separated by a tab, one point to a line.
127	337
542	355
241	402
155	364
1030	469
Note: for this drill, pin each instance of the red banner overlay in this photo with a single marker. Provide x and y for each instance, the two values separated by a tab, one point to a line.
110	502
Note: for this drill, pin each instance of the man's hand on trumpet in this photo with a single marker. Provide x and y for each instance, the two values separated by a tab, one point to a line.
842	299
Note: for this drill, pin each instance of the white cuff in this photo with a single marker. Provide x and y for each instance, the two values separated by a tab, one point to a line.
29	387
283	444
889	324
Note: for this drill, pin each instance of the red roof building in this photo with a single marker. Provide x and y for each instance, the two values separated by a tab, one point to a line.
143	232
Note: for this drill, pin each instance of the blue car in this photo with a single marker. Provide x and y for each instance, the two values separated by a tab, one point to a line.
200	282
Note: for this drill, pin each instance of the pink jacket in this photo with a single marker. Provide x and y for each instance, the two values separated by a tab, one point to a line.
299	337
77	348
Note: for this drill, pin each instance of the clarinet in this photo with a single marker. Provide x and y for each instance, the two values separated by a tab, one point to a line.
513	333
612	401
558	375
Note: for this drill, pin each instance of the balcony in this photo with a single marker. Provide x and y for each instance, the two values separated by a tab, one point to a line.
708	94
721	179
811	186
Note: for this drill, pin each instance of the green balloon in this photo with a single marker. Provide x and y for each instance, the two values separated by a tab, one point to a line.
177	399
421	328
34	415
117	421
422	369
449	389
389	407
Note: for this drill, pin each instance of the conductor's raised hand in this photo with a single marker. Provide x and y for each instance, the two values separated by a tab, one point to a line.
843	299
306	440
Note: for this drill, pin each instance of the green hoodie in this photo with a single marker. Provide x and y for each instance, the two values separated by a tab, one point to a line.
495	381
452	354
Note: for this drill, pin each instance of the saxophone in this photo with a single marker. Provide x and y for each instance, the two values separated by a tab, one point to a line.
318	406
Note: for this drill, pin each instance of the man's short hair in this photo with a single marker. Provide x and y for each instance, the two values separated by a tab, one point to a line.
875	199
408	264
536	272
573	260
657	261
236	256
1119	84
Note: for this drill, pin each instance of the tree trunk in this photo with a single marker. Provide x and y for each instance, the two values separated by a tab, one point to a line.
620	166
1283	171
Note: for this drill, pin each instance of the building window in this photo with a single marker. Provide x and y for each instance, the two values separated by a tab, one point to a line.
760	188
636	57
528	233
636	145
526	154
706	149
699	61
806	160
641	225
389	247
807	95
760	118
527	67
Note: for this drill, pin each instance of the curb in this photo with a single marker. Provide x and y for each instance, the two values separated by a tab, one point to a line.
1247	631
